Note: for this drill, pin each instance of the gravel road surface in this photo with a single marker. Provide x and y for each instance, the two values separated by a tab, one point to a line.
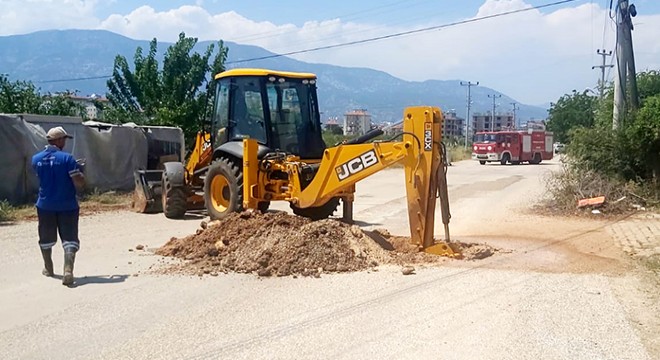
560	288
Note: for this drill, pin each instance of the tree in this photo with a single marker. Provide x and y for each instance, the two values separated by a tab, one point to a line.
18	97
179	94
22	97
648	84
569	112
644	137
61	104
632	151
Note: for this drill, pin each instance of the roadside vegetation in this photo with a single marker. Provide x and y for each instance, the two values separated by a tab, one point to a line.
7	211
23	97
91	202
621	164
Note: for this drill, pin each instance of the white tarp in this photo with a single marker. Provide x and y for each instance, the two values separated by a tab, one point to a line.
112	152
20	140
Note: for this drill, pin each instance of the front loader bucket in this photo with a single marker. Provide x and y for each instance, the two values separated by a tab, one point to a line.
147	194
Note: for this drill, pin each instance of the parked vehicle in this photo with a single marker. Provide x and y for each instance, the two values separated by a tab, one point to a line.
559	148
514	147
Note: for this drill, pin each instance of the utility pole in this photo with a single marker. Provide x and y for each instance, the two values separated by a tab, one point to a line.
515	108
625	63
469	85
601	84
492	120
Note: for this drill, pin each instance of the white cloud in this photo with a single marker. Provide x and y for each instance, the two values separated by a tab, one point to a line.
532	56
25	16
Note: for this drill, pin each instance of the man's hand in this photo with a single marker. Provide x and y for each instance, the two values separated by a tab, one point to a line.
81	164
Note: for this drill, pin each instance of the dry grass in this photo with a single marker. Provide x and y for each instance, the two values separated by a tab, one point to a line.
459	153
569	185
653	263
90	203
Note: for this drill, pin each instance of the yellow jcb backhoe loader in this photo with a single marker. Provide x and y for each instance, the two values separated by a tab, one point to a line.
267	146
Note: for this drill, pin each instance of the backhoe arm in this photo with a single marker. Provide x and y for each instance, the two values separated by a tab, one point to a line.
421	151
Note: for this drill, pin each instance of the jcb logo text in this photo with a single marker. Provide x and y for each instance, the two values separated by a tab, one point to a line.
355	165
428	137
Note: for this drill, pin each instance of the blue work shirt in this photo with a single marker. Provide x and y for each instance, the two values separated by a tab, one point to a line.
55	169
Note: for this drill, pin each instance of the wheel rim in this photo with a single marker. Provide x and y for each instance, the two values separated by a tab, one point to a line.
220	195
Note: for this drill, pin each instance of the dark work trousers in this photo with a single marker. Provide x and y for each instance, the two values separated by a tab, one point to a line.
64	222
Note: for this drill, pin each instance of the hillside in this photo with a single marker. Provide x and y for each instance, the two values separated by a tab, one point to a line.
82	54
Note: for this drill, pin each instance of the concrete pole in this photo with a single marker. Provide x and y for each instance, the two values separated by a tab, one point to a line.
601	84
492	120
515	108
469	85
625	63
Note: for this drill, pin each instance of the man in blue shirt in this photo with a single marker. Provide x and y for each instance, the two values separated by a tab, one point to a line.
60	175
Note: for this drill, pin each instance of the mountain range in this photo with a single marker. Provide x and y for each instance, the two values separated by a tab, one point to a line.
58	60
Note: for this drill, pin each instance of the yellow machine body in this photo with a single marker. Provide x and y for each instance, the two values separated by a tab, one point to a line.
341	167
268	147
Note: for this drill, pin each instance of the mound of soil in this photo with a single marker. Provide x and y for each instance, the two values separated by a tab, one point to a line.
279	244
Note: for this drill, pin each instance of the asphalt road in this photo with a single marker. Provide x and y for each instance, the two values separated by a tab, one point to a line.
558	289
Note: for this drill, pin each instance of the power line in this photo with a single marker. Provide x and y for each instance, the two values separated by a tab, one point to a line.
356	42
395	35
354	15
74	79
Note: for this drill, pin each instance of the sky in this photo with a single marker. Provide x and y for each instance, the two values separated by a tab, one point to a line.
534	56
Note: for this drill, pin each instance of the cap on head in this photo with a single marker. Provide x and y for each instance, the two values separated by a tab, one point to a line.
57	133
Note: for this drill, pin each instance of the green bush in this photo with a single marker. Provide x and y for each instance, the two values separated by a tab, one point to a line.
7	212
616	163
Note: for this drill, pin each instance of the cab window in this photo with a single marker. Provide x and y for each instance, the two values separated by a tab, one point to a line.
221	116
246	118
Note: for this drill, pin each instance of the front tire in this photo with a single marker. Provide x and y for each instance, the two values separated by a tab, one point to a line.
482	162
505	159
223	189
174	199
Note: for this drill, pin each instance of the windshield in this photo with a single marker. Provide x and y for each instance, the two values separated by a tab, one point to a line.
246	117
281	113
485	138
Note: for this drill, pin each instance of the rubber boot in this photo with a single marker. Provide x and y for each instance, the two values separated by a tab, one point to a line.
69	259
48	262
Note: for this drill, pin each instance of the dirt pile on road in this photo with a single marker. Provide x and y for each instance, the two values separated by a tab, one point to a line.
279	244
275	244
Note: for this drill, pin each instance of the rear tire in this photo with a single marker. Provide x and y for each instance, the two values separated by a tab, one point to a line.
174	199
319	212
223	189
536	160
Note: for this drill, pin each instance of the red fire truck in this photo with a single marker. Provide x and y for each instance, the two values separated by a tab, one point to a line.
513	147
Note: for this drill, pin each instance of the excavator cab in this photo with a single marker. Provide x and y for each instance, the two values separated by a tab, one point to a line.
277	109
